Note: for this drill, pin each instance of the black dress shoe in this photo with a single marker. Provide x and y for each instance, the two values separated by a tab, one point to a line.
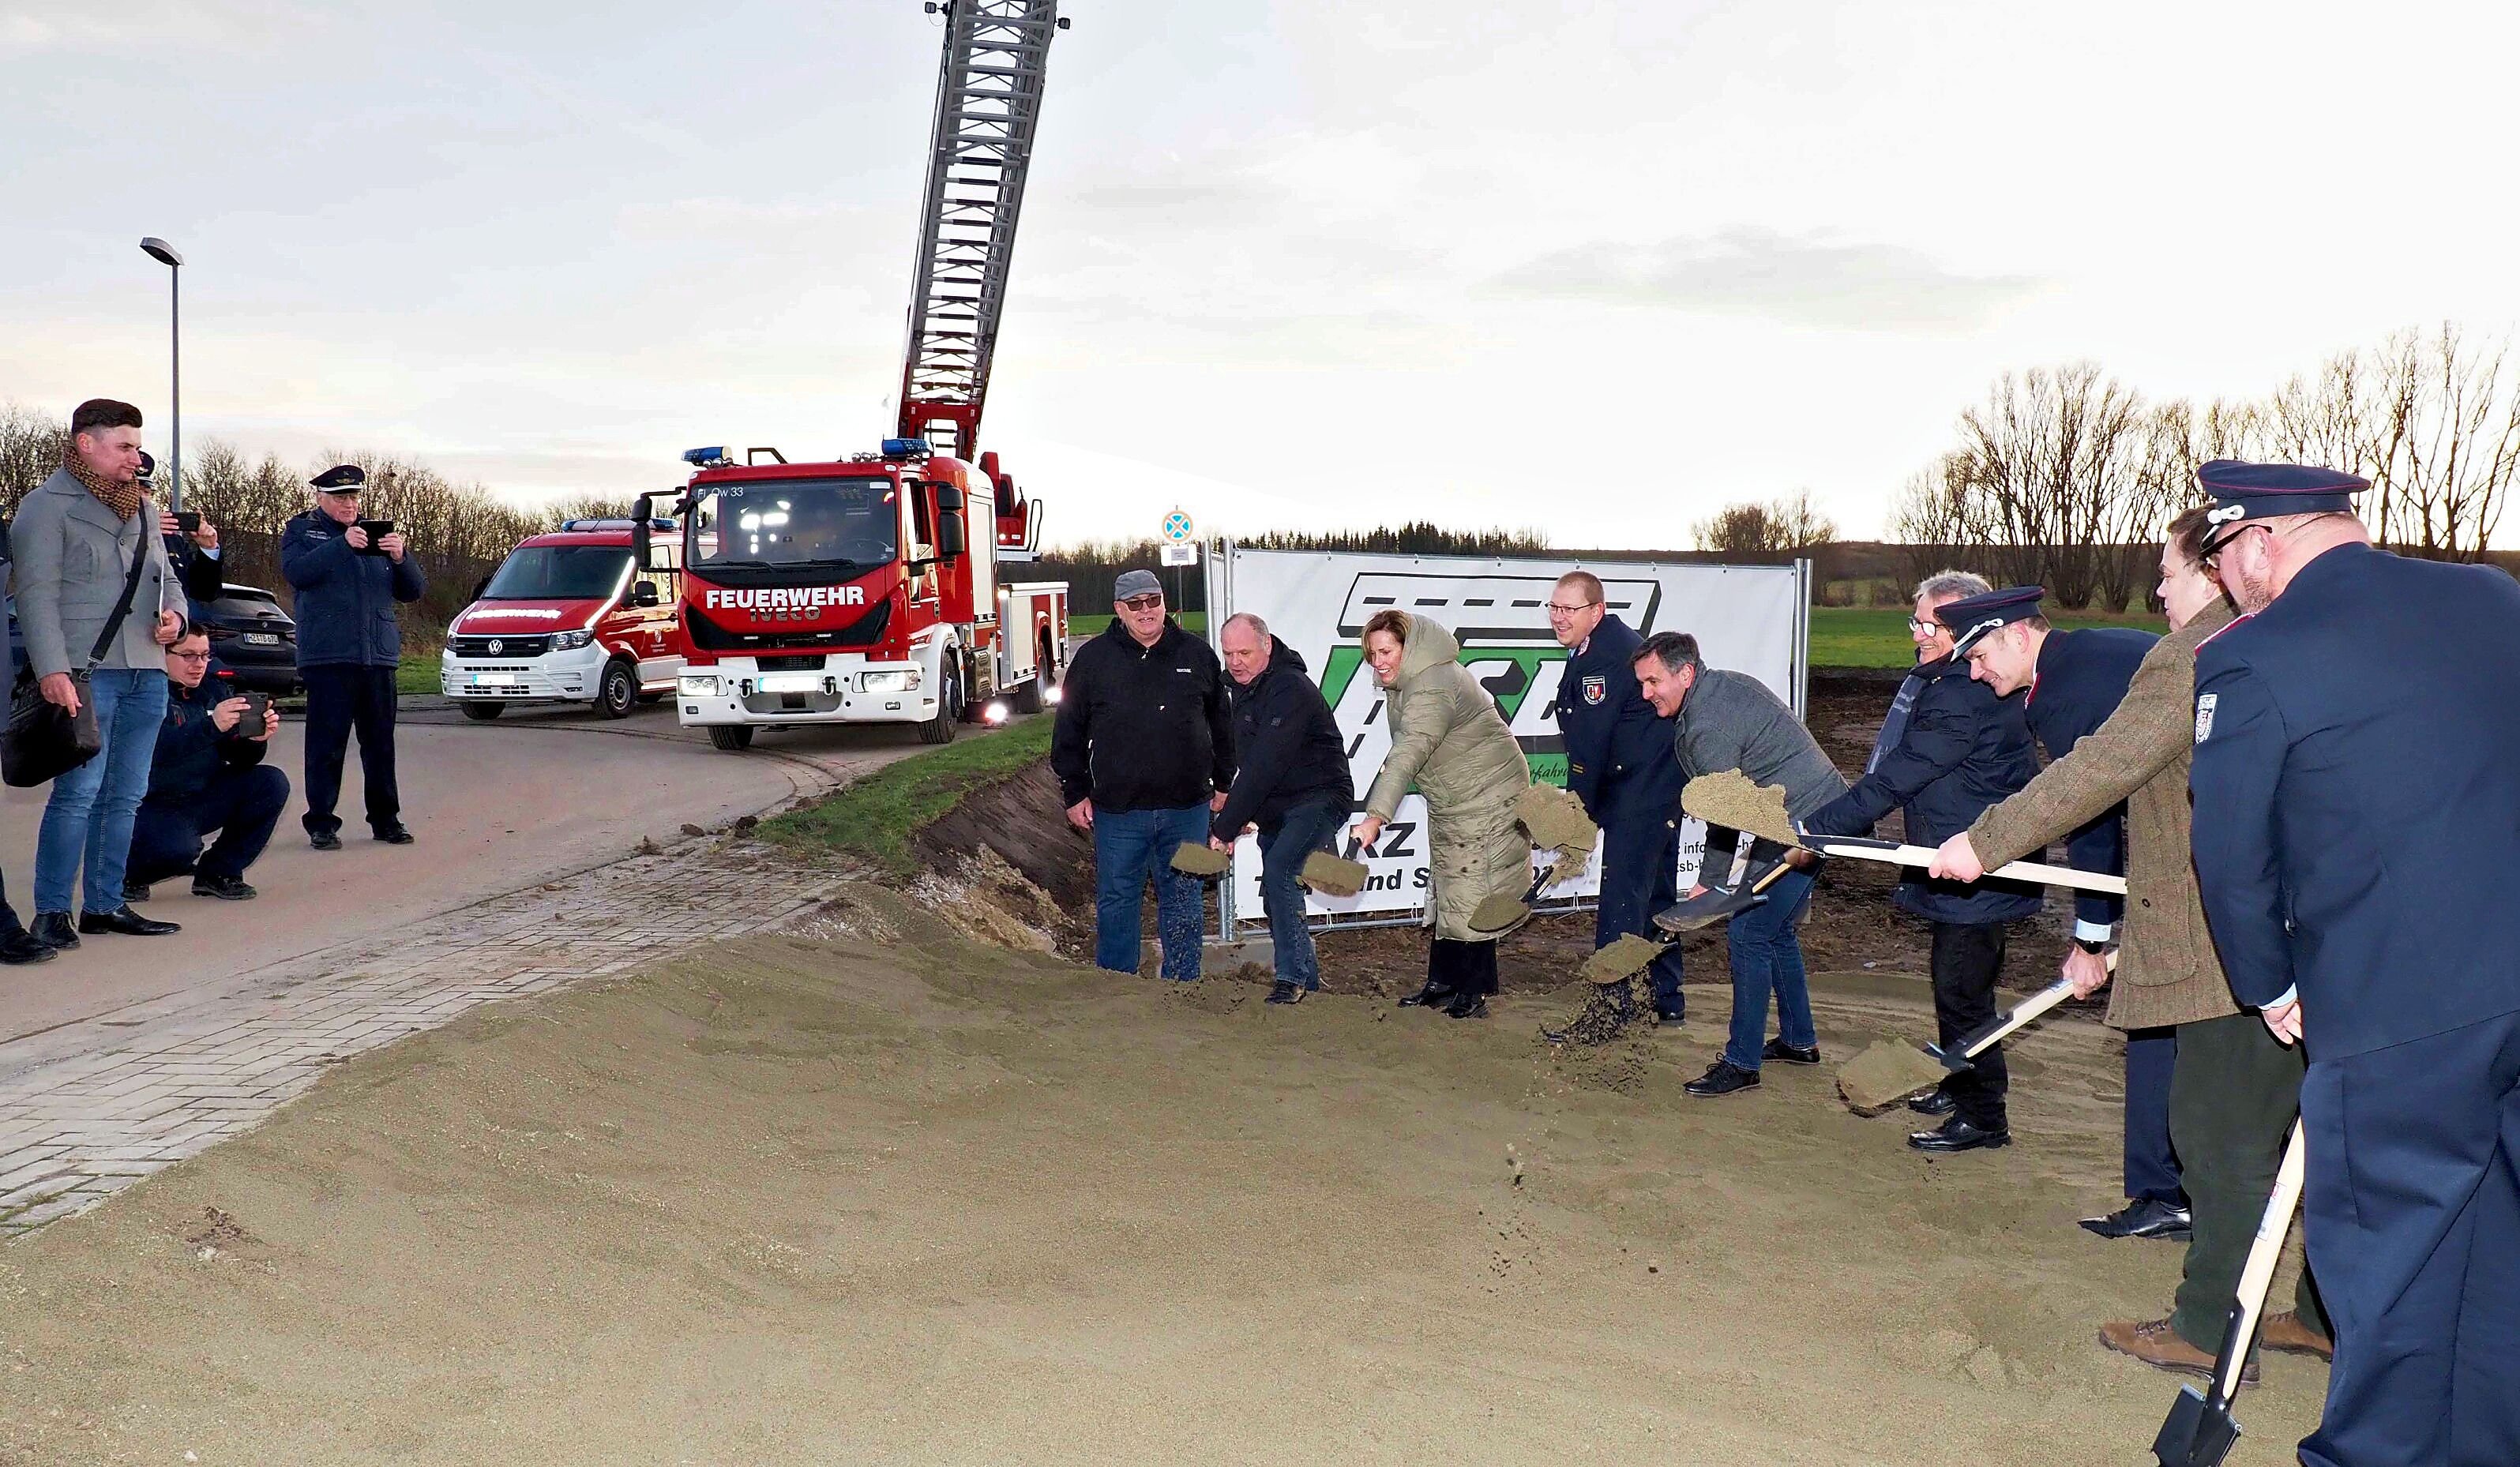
2144	1217
1283	992
1722	1078
23	947
394	835
1466	1005
126	921
324	840
1933	1102
225	888
1793	1054
1432	996
134	891
1670	1013
1956	1134
54	930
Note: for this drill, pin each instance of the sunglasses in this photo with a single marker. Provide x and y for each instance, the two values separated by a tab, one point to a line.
1148	603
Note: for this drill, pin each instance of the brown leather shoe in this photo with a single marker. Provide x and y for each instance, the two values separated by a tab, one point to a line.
2286	1332
2157	1345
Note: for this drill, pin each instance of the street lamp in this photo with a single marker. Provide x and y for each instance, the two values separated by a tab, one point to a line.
164	254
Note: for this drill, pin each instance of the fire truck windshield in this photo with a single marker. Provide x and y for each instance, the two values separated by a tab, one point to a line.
559	574
787	522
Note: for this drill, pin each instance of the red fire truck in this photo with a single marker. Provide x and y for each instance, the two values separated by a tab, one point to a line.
868	589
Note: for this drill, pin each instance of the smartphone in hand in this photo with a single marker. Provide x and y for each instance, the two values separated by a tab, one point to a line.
377	529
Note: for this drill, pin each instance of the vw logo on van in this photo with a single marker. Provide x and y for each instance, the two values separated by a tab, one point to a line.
496	646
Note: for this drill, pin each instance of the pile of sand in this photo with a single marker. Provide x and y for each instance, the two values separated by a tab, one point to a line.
888	1196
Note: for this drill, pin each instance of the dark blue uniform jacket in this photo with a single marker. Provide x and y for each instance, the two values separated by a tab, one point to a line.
2357	789
191	749
345	600
1287	747
1620	756
1949	749
2082	678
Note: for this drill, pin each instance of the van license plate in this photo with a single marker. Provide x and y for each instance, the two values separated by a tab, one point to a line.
262	638
496	679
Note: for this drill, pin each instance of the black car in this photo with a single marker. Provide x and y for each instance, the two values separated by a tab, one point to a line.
254	637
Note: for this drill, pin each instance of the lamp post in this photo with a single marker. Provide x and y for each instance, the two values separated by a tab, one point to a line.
164	254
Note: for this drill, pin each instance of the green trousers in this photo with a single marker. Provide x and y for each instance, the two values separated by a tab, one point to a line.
2234	1095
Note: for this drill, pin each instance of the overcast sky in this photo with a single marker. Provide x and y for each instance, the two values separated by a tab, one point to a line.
1595	269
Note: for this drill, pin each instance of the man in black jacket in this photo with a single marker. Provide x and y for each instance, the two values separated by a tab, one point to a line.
1144	751
1292	783
1949	749
207	776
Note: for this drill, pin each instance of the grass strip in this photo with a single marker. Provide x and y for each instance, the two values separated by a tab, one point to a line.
876	817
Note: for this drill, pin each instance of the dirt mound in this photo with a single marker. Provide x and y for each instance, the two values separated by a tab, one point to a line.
1022	821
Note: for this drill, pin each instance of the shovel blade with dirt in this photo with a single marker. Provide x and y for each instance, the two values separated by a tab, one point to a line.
1556	822
1334	876
2200	1429
1892	1070
1193	858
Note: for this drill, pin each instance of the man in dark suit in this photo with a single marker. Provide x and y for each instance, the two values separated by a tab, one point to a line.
1621	763
2357	790
2071	683
347	648
1949	748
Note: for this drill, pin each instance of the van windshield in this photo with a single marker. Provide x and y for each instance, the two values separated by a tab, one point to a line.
795	522
560	573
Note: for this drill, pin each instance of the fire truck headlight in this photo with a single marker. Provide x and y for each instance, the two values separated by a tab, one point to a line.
698	684
897	679
994	714
569	642
1050	696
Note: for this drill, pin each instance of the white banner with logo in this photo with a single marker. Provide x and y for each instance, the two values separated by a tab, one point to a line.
1752	619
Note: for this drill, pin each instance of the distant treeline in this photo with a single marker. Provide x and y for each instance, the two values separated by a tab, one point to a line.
1089	567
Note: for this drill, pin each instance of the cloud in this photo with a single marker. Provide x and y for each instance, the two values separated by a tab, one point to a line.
1806	279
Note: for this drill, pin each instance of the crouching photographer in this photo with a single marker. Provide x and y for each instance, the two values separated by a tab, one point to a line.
208	777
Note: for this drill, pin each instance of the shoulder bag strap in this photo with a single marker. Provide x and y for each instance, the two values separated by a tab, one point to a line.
130	588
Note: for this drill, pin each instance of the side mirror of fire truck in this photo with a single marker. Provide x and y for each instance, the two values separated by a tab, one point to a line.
950	503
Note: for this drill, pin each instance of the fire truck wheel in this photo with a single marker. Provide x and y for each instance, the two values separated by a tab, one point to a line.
1044	675
618	692
949	707
732	738
480	708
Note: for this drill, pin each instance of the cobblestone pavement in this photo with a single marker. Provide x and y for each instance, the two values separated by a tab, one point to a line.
89	1108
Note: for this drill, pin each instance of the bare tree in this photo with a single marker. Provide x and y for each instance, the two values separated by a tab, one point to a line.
1930	516
31	449
2445	445
2042	465
1776	527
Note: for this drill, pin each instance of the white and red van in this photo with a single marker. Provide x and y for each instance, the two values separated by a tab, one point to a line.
566	618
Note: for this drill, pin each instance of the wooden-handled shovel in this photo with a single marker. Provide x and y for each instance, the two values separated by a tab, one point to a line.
1896	854
2201	1429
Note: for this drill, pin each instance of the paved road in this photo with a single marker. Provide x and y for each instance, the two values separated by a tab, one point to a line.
498	807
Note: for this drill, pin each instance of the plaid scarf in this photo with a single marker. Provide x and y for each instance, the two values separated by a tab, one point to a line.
122	499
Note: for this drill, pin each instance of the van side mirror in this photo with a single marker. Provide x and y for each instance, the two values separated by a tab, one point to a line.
640	510
644	594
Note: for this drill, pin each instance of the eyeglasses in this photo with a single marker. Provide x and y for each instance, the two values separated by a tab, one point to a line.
189	656
1917	625
1556	609
1148	603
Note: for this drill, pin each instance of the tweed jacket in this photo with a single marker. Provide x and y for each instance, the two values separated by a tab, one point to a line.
71	557
2167	972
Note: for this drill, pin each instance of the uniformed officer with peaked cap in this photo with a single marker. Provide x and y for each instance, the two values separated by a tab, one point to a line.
2071	683
347	648
2357	835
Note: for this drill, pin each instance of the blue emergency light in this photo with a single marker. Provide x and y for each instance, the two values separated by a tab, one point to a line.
906	447
705	458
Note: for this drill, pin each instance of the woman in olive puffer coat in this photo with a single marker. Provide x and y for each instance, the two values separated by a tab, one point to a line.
1448	739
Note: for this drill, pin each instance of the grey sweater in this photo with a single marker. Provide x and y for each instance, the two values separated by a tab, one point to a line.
1731	720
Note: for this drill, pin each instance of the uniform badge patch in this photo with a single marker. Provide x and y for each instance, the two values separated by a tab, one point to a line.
1596	689
2205	715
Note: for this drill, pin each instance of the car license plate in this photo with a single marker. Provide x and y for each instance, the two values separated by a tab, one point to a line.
262	639
790	682
496	679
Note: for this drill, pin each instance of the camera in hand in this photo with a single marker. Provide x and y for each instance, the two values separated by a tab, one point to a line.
188	521
377	529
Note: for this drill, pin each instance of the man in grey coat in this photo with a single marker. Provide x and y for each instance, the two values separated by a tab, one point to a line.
76	539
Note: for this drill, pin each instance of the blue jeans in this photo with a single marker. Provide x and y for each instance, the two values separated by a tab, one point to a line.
1129	846
1305	830
1768	958
87	820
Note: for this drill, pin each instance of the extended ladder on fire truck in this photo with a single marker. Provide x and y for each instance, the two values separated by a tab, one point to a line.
988	106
